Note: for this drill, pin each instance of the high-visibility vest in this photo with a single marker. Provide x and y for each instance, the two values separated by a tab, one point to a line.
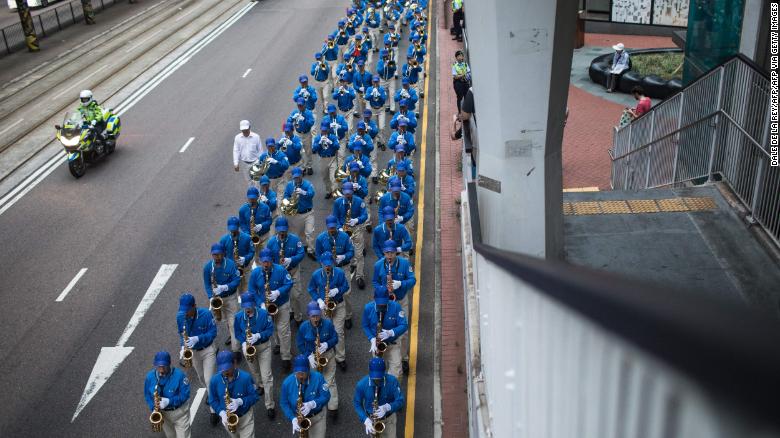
457	5
461	68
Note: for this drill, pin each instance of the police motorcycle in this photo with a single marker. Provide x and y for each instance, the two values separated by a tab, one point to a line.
84	142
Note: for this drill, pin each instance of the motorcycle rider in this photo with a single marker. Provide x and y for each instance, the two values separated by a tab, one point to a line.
91	111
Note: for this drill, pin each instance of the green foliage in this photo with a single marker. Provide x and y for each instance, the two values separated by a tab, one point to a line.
667	65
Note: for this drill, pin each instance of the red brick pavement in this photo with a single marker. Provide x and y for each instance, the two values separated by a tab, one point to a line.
631	41
453	353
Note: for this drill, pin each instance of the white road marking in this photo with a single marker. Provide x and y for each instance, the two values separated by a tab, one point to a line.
71	284
67	90
30	182
136	45
186	145
192	9
246	73
11	126
162	277
196	403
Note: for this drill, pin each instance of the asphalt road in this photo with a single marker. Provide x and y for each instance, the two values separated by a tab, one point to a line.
150	205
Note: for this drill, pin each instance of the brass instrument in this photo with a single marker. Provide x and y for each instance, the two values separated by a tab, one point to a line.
379	425
281	250
250	349
156	417
259	168
216	302
348	217
386	174
255	236
413	62
330	306
236	256
271	307
290	206
331	44
232	418
303	422
186	360
389	282
381	346
320	360
340	174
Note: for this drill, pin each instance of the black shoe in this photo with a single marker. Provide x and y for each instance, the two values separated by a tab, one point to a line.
422	95
286	366
277	349
417	114
405	366
309	170
328	195
364	252
342	365
387	110
348	323
237	357
382	146
361	285
271	413
375	179
356	115
311	255
227	341
411	252
369	230
292	317
333	415
260	391
214	419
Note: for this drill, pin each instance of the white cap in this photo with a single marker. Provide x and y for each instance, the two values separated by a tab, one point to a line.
619	46
244	124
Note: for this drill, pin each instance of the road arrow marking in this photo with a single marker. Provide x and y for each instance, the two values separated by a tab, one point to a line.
110	358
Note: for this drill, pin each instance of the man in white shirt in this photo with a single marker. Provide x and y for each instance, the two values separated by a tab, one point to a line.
246	149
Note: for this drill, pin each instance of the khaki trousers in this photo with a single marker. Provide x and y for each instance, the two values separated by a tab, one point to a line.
403	341
176	423
204	364
390	88
282	331
303	226
322	88
381	122
392	358
306	149
278	185
338	317
359	242
328	169
390	426
329	372
318	425
246	426
259	247
297	297
229	309
260	368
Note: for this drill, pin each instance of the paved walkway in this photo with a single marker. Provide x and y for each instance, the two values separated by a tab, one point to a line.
453	353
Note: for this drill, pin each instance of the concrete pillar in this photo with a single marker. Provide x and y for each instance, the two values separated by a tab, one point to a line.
754	39
520	53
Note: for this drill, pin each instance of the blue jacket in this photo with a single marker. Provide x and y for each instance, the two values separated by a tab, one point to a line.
242	386
202	326
413	73
365	160
276	170
418	54
337	279
371	128
358	210
362	80
342	39
245	247
325	148
394	320
303	124
389	393
411	120
372	19
293	150
408	185
409	165
226	273
362	192
262	215
411	101
388	37
358	54
384	70
400	270
324	243
345	100
174	386
261	323
367	144
328	54
406	209
399	235
319	74
348	74
376	96
315	388
367	43
279	280
342	128
305	202
293	248
307	334
408	141
310	96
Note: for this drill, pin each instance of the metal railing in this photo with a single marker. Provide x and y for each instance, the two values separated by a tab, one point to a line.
716	128
47	22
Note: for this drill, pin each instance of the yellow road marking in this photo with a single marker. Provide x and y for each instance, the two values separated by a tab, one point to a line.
411	381
636	206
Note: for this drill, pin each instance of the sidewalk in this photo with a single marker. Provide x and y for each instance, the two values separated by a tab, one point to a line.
453	353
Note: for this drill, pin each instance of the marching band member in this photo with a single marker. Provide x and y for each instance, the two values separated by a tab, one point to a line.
417	51
329	284
303	220
378	396
390	230
291	145
372	20
330	52
386	70
278	164
384	321
345	97
321	71
400	202
303	121
359	182
334	241
371	128
317	327
352	215
376	96
391	40
402	137
361	80
238	388
408	93
338	124
260	211
261	326
359	51
305	92
221	279
408	185
398	158
310	387
267	197
287	250
345	70
342	38
238	247
412	71
368	44
167	390
364	162
326	145
246	149
406	115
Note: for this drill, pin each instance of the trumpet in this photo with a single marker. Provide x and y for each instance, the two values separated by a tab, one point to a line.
331	44
232	418
271	307
303	422
156	417
251	350
187	356
215	302
254	236
321	361
379	426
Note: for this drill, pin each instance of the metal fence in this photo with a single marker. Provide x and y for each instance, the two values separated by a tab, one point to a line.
716	128
48	22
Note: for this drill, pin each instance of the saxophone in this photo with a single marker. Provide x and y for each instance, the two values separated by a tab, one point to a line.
379	426
236	256
187	357
389	282
232	418
330	306
271	307
255	237
156	417
250	349
321	361
216	302
348	217
281	251
290	206
381	346
303	422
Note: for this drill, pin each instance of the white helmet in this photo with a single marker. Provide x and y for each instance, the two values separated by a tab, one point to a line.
85	96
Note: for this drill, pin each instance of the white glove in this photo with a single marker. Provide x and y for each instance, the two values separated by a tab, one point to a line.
312	362
342	90
369	427
223	415
359	164
274	294
396	284
334	126
404	93
258	228
191	341
286	262
164	402
398	219
299	117
373	346
221	288
323	347
263	198
234	404
321	303
362	89
353	222
381	411
398	249
402	117
355	186
181	353
307	407
386	334
243	347
301	192
273	160
340	258
295	426
241	260
333	292
255	338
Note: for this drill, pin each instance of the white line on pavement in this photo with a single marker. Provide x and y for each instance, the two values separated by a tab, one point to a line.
30	182
72	86
70	285
151	35
246	72
196	403
162	277
11	126
192	9
186	145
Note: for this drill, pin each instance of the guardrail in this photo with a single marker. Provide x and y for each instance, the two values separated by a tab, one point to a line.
716	128
48	22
